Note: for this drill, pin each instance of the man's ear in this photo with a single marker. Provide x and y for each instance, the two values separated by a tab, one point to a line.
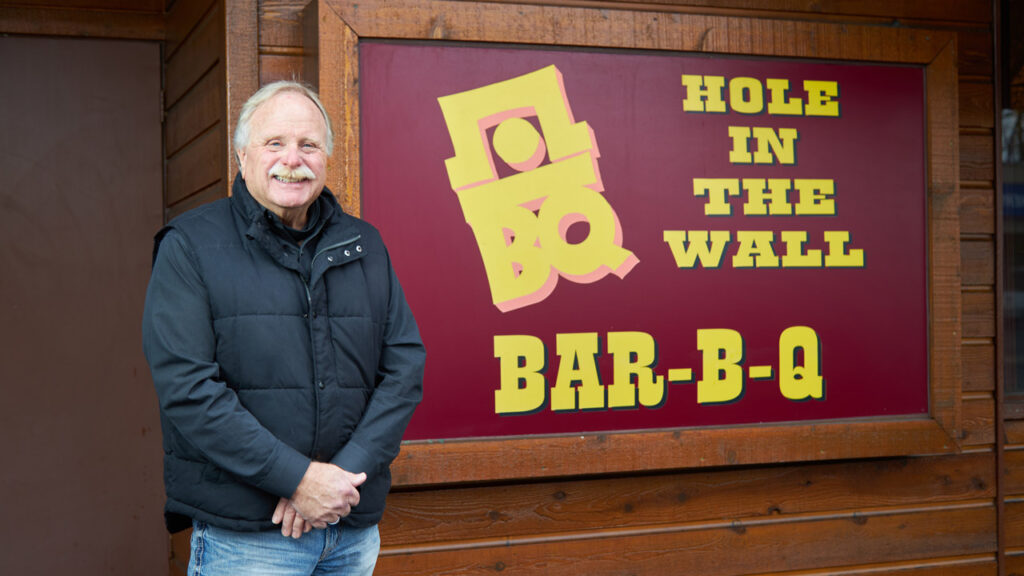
240	157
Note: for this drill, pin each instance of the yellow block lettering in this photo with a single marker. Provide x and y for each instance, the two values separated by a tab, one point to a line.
772	145
779	101
634	355
523	387
755	250
722	377
746	95
704	93
740	151
821	98
772	202
697	245
815	197
795	256
718	191
800	364
577	363
838	256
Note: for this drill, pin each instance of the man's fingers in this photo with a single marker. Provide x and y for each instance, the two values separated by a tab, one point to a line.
288	520
278	516
351	495
298	525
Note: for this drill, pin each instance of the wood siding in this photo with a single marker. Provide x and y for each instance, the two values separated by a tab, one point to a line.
914	515
195	105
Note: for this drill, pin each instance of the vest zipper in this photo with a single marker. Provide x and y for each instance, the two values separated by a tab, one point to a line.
316	369
317	377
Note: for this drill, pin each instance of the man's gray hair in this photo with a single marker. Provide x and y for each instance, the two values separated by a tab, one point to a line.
267	92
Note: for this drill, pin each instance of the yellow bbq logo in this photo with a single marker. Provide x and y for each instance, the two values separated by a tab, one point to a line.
521	221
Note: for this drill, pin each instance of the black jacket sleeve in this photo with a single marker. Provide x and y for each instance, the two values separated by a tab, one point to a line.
399	389
178	340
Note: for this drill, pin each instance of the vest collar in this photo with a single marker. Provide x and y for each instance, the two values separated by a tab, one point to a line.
338	231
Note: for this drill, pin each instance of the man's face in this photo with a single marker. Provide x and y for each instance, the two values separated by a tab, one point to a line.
284	164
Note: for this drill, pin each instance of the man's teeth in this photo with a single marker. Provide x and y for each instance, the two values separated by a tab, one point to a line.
289	180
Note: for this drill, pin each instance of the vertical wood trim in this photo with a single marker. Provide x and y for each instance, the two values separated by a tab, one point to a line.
338	80
1002	471
241	59
945	312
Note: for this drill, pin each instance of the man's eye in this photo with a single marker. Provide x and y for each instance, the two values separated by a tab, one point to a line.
309	146
273	144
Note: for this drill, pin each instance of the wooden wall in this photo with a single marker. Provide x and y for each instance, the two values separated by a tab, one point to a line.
195	96
922	515
120	19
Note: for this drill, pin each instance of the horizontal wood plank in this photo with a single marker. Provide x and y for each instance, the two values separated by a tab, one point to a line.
199	53
1014	431
979	417
1014	564
979	314
197	166
977	157
123	5
979	359
196	112
182	19
281	22
430	463
976	565
977	211
976	105
213	192
274	68
646	500
69	21
974	54
1013	473
1014	530
978	262
531	24
972	13
768	545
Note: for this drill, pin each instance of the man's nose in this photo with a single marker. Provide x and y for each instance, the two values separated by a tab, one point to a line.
291	155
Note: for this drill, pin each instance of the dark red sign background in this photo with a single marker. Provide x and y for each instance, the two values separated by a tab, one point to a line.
872	321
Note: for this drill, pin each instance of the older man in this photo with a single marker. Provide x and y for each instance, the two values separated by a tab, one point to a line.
285	358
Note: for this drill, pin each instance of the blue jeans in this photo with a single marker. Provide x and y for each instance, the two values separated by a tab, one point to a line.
335	551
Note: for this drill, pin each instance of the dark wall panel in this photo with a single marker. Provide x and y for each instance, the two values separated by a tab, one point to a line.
80	202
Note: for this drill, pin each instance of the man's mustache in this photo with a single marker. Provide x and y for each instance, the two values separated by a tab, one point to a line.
291	174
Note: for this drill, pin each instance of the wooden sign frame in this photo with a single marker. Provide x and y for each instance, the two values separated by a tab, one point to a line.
335	28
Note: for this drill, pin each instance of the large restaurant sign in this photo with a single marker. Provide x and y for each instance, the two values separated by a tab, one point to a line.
598	241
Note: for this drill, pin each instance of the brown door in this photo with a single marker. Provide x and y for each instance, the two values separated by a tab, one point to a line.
80	166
